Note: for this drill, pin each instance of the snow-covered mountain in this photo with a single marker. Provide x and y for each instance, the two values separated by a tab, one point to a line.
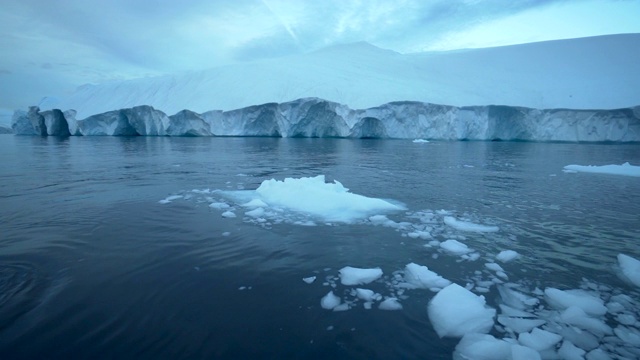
588	73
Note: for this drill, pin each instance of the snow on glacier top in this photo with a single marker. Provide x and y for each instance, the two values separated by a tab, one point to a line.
596	72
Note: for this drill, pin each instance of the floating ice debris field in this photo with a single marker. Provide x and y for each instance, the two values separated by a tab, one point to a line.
624	169
468	226
490	305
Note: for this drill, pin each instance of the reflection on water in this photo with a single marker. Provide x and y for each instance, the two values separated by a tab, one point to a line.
89	259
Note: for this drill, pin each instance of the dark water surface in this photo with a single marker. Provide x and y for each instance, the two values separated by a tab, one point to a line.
93	267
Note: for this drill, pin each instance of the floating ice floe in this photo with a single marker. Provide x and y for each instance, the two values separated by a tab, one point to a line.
486	347
330	202
624	169
559	299
456	311
630	268
169	199
420	277
330	301
219	205
455	247
365	294
507	255
309	279
356	276
390	304
539	339
228	214
420	141
468	226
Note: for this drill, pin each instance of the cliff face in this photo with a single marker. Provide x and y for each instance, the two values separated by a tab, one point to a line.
312	117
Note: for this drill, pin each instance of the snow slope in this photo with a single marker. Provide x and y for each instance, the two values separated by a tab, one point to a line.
587	73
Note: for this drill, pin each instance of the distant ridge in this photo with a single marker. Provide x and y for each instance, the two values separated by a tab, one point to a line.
588	73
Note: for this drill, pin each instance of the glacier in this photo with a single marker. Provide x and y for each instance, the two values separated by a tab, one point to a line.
314	117
587	73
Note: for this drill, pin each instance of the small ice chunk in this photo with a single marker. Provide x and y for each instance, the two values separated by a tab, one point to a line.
519	325
507	255
169	199
568	351
468	226
598	354
509	311
628	334
255	203
455	247
519	352
516	299
482	347
494	267
420	141
255	213
560	299
365	294
390	304
219	205
420	277
329	301
575	316
357	276
456	311
626	319
367	305
630	268
539	339
228	214
341	307
309	279
379	219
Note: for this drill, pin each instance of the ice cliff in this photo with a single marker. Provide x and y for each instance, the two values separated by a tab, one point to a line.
312	117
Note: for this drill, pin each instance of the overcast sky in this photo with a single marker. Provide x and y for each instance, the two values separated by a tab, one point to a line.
49	47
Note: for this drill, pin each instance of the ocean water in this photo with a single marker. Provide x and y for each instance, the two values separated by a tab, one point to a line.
92	265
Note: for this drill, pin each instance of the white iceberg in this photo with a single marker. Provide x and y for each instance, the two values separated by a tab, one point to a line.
329	201
624	169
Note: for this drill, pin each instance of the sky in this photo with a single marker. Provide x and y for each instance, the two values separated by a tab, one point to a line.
50	47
